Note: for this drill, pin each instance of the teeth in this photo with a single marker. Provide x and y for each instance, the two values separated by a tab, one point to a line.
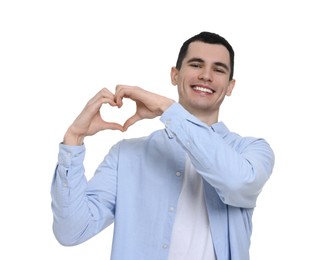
207	90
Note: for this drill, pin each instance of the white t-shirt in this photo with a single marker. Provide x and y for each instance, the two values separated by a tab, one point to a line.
191	237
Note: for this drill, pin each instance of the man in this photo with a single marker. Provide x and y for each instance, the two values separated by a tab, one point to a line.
184	192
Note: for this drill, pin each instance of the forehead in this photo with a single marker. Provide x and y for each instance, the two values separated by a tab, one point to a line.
208	52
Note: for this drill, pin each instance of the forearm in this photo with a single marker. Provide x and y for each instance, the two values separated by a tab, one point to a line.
75	204
67	190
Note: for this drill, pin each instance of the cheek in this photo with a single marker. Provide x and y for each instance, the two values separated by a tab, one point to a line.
180	90
221	92
180	83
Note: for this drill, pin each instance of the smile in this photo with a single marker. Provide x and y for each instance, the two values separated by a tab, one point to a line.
203	89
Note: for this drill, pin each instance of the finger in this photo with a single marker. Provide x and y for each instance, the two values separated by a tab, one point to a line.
110	101
124	91
101	99
103	96
119	94
130	121
94	107
104	92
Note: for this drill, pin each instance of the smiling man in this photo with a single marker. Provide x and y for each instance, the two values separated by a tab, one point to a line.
187	191
204	78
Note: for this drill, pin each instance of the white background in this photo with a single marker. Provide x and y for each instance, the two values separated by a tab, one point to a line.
55	55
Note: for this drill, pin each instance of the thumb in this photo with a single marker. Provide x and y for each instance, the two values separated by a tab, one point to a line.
112	126
130	121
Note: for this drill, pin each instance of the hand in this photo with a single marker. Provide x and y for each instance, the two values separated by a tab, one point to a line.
89	122
148	105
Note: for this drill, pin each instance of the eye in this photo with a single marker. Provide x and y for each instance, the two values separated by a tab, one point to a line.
195	65
220	70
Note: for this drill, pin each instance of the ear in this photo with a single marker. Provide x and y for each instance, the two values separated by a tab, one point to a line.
174	75
230	87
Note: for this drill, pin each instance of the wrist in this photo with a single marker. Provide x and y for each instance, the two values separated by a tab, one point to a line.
72	139
166	105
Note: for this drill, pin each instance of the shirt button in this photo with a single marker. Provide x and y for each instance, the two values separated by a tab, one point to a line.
164	246
171	209
178	174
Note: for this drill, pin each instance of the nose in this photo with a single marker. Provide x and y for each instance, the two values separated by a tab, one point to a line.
205	74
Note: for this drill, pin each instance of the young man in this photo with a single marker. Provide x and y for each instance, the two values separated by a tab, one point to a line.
184	192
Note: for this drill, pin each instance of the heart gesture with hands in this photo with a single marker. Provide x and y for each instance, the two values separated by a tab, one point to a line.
89	122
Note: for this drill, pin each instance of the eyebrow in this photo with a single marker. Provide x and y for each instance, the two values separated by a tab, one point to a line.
218	63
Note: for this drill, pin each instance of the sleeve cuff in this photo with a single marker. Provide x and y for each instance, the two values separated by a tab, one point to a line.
70	155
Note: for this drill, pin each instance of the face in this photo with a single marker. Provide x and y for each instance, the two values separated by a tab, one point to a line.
203	80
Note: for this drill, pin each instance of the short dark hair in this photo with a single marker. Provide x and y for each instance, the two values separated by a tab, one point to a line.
206	37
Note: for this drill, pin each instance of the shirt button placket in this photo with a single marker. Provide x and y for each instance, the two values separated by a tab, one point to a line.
171	209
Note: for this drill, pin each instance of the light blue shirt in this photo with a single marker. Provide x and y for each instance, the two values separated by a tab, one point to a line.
138	184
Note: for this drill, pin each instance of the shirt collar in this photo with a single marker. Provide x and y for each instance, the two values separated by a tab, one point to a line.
220	128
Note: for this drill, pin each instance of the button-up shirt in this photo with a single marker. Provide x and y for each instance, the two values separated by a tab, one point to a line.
138	184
